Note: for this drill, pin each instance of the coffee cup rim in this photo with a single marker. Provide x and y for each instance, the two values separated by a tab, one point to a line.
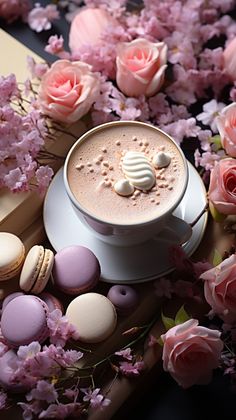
86	213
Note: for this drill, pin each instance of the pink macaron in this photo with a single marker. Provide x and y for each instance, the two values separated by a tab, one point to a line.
124	298
24	320
76	270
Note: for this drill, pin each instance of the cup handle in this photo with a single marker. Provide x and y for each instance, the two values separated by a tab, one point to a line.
177	231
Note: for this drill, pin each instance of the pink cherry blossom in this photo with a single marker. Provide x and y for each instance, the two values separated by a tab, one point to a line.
36	69
126	354
211	59
31	409
61	411
182	128
41	18
55	46
210	112
43	175
182	90
96	400
29	351
8	88
44	391
60	329
204	137
208	160
131	369
71	394
180	50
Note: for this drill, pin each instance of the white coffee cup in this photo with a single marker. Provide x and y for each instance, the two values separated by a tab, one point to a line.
128	233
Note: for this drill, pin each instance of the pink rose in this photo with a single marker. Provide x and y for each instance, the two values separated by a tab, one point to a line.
140	67
88	26
230	59
226	124
191	352
220	289
68	90
222	189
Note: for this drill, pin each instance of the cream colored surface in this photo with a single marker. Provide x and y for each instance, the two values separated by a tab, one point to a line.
93	315
13	57
31	267
11	252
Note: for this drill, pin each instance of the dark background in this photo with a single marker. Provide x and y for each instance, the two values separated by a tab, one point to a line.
161	398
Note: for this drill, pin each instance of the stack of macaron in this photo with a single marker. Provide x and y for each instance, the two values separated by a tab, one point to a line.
74	271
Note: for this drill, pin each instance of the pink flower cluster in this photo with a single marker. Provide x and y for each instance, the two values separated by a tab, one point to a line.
40	18
22	137
133	51
60	329
38	370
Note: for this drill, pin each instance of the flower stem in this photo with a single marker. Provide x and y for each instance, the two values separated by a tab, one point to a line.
130	344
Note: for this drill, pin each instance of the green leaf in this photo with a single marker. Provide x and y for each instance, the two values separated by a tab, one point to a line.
181	316
160	342
217	258
216	140
168	322
217	216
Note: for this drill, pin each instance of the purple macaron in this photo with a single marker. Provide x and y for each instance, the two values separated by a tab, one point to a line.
76	270
24	320
124	298
9	298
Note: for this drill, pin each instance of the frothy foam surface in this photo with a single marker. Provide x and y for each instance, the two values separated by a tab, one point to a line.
95	166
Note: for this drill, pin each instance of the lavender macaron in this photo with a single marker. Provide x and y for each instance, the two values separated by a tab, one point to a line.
76	270
24	320
124	298
9	298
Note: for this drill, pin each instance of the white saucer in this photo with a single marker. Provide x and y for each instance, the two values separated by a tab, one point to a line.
134	264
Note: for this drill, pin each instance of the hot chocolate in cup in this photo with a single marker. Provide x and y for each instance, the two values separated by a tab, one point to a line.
124	179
